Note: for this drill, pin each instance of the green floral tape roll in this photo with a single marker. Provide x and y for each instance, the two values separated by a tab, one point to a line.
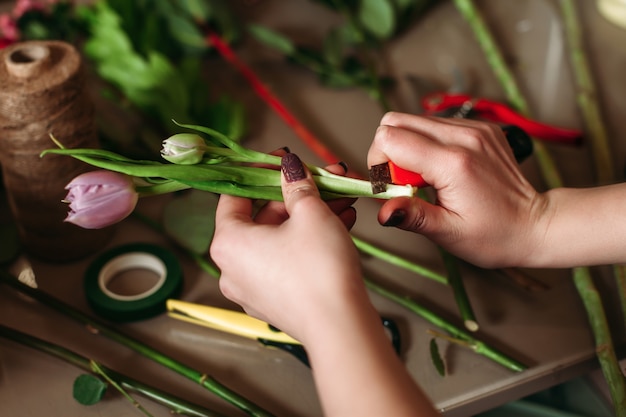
126	259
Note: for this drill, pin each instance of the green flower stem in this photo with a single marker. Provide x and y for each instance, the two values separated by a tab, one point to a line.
458	289
455	280
159	188
507	81
604	343
478	346
587	94
396	260
102	371
175	404
240	180
104	329
609	364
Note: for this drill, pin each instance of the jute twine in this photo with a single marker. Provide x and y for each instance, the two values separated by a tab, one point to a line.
41	93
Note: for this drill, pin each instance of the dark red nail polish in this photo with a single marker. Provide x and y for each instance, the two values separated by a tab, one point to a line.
396	218
344	166
292	168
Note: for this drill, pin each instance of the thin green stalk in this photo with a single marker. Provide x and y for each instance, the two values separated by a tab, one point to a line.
609	363
455	280
492	53
204	380
507	81
102	371
175	404
586	94
478	346
604	343
396	260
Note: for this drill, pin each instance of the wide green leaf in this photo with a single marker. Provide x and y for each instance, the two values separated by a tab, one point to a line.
272	39
185	32
377	17
88	389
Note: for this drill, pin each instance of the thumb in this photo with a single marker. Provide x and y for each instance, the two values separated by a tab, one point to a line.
415	215
297	182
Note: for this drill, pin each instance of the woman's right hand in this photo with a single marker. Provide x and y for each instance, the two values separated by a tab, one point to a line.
485	210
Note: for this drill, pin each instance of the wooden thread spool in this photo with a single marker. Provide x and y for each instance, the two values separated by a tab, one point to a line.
41	93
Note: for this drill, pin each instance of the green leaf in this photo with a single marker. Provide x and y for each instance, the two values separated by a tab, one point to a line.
185	32
190	220
349	35
333	49
435	356
272	39
403	4
199	10
377	17
88	389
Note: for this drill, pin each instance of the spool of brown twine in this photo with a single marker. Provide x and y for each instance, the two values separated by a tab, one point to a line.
41	93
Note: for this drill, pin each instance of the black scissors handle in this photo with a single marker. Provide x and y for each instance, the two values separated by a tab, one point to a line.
299	352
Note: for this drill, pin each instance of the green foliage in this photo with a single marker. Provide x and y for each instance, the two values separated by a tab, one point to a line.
151	82
272	39
435	356
378	20
88	389
377	17
348	55
150	55
58	23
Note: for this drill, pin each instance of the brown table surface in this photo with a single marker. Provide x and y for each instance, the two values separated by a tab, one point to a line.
547	329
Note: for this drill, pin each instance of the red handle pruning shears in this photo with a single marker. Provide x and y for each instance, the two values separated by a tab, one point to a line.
498	112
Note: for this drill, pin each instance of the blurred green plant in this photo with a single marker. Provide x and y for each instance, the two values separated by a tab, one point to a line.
149	55
350	54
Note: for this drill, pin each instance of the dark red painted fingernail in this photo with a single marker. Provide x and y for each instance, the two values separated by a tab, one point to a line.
396	218
292	168
344	166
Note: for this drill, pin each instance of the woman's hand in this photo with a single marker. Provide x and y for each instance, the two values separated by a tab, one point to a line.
485	210
295	266
289	264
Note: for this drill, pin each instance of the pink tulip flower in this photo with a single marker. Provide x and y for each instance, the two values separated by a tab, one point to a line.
100	198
